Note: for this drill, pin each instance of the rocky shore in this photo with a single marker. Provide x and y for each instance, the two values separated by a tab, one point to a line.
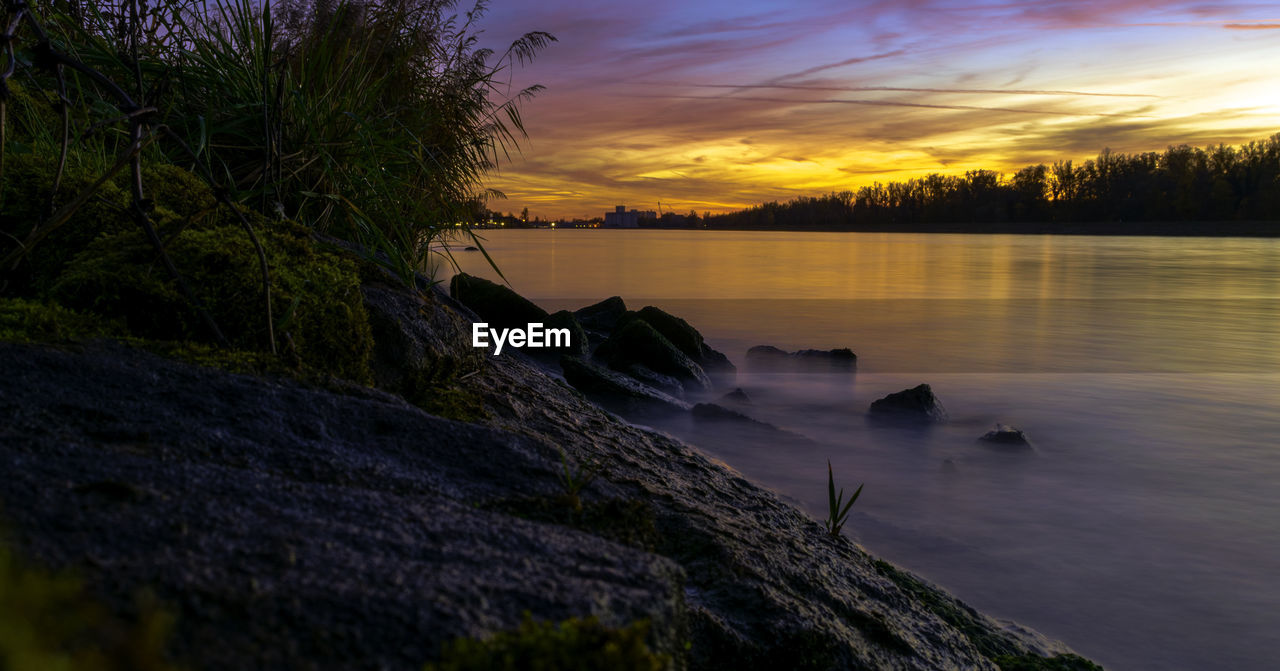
292	524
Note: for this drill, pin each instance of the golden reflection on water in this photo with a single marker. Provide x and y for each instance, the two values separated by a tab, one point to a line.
982	302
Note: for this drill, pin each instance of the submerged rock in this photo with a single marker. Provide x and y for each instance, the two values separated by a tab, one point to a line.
737	396
770	358
1004	434
915	405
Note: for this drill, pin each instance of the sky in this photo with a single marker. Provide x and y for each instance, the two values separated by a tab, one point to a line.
719	105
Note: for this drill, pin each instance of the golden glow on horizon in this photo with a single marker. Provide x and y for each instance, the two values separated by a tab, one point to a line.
645	126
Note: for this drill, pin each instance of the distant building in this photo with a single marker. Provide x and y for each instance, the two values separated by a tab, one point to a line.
620	217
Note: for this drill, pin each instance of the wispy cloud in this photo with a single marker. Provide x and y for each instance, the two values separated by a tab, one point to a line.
1251	26
644	101
915	89
895	103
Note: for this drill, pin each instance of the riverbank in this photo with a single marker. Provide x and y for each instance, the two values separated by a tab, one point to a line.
325	524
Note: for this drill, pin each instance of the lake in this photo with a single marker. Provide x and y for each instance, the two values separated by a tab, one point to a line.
1143	528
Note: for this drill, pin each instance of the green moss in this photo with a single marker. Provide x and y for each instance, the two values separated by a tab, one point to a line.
1036	663
318	309
450	402
47	622
27	195
572	645
31	321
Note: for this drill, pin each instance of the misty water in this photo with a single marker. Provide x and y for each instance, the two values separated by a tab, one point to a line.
1143	528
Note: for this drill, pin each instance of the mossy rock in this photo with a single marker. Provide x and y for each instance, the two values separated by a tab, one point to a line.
176	200
686	338
317	306
31	321
26	194
577	335
602	316
573	645
496	304
638	343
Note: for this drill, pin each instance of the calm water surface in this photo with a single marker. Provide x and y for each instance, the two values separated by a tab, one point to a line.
1144	527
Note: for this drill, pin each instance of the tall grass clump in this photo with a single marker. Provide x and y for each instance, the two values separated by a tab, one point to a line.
374	121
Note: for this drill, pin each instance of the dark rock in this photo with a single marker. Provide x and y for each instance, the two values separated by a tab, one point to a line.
638	343
410	349
716	363
766	353
737	396
360	548
496	304
834	357
917	404
770	358
617	392
1004	434
716	413
686	338
470	248
678	331
602	316
664	383
578	344
719	416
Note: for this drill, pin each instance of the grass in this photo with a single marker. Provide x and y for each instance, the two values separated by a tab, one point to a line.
837	507
377	122
574	479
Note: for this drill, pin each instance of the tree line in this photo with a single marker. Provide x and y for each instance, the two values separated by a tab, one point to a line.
1183	189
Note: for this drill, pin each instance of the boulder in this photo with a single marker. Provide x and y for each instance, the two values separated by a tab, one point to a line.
664	383
496	304
686	338
737	396
768	357
287	527
725	422
678	331
578	344
841	357
617	392
1004	434
765	353
638	343
716	363
915	405
602	316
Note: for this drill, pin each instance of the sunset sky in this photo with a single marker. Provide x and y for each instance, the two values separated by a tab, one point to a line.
719	105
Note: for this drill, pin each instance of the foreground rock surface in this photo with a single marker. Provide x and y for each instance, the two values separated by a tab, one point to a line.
296	527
